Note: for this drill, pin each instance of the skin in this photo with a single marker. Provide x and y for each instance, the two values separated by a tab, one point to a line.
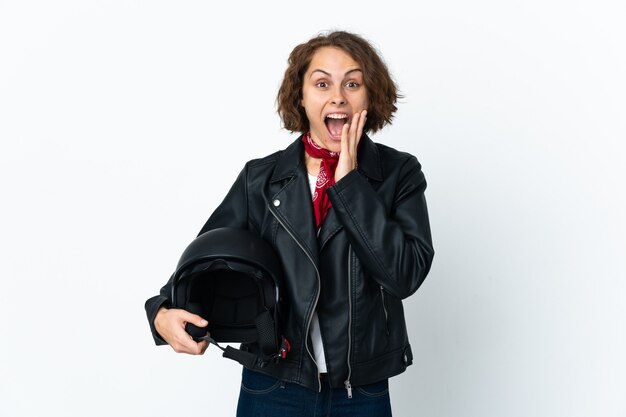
170	323
333	83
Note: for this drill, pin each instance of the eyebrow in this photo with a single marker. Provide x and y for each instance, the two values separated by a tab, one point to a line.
328	74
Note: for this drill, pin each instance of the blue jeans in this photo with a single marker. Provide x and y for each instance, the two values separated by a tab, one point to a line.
264	396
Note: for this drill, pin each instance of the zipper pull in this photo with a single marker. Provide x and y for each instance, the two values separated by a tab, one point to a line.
348	388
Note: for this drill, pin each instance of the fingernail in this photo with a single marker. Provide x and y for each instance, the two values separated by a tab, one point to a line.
203	322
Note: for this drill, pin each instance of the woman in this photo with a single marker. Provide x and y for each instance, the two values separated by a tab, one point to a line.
348	220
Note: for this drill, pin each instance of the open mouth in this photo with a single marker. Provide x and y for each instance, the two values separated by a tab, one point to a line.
334	124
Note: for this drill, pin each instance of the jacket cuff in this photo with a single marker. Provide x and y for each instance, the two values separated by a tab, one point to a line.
152	308
346	181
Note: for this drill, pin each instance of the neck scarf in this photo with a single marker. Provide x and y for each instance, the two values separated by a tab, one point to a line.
325	177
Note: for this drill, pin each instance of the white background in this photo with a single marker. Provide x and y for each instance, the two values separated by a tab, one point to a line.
124	123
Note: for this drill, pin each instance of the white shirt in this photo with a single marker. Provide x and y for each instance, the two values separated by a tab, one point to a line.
316	336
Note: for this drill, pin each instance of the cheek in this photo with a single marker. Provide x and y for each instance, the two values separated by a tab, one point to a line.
307	102
305	97
312	105
365	101
310	116
360	102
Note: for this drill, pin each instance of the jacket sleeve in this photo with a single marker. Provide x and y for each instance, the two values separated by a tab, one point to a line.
232	212
153	305
394	244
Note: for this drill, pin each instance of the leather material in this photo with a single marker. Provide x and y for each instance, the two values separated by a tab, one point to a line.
373	250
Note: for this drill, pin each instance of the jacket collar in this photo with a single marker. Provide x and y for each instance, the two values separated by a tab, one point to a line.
288	197
292	157
368	157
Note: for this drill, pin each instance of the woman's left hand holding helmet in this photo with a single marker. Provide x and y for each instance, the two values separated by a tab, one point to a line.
350	137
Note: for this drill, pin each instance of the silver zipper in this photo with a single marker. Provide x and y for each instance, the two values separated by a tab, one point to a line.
382	297
317	295
347	381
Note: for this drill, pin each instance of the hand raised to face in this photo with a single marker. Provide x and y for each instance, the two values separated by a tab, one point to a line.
350	137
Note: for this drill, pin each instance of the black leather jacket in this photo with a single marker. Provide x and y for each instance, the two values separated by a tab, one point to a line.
373	250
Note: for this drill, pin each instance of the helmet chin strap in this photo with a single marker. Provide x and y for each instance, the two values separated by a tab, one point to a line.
247	359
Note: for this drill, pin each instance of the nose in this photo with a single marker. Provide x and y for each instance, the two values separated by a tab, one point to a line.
338	98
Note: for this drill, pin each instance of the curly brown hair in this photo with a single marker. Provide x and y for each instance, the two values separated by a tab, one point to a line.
382	91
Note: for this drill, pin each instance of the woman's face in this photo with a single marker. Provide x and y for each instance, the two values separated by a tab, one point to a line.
332	92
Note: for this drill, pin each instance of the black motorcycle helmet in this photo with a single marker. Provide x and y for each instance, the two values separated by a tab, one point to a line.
232	278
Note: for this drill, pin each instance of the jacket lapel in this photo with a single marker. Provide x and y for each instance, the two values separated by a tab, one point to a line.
329	228
370	167
289	188
288	196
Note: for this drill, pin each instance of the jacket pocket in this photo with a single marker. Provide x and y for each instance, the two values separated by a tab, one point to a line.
383	303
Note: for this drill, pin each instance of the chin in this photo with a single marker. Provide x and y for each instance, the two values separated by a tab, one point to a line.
332	145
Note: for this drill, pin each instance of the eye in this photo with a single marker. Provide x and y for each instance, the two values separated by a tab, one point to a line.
352	84
321	84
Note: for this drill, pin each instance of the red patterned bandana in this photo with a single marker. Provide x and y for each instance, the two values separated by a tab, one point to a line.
325	178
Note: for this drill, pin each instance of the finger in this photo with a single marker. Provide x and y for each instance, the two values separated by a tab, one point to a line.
184	343
361	126
344	139
194	319
198	348
353	126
